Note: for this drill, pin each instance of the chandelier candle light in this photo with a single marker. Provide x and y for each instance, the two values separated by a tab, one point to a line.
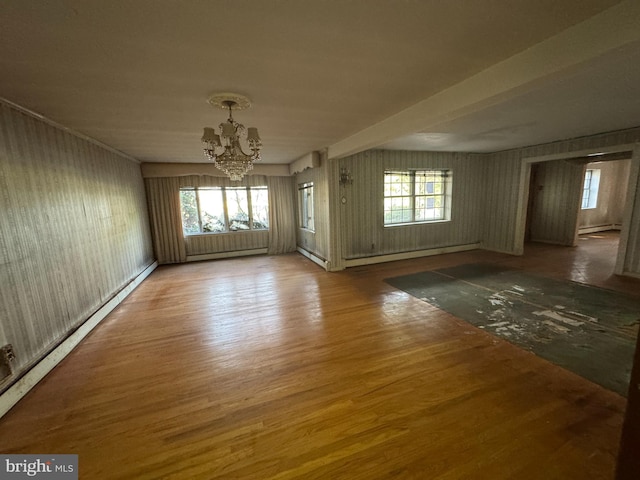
231	159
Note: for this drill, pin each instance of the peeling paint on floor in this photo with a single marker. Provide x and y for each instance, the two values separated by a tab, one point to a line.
558	316
585	329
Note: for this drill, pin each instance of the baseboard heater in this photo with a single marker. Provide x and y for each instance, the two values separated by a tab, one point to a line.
314	258
392	257
31	377
219	255
599	228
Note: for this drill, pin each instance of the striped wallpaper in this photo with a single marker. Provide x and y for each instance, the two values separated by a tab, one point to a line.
74	231
361	206
507	171
558	192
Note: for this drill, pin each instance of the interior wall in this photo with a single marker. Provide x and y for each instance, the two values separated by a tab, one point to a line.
507	187
74	231
501	179
557	193
630	238
316	242
612	193
361	204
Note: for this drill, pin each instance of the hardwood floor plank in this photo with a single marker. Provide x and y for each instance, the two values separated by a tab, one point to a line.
271	368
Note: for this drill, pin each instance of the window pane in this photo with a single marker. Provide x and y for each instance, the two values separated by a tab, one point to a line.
189	210
415	196
590	189
430	188
238	209
212	210
305	206
260	208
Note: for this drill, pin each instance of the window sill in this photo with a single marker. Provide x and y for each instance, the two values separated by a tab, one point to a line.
409	224
231	232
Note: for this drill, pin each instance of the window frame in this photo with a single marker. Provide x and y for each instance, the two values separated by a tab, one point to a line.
445	196
306	206
225	209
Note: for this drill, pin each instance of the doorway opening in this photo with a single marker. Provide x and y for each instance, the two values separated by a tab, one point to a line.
569	199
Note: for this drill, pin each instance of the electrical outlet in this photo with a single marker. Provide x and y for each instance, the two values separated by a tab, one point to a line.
7	356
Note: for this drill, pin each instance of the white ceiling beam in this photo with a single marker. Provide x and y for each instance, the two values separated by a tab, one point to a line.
610	32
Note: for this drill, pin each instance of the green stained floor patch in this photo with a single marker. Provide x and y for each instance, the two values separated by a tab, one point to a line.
588	330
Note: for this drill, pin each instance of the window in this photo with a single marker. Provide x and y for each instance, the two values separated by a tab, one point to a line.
305	205
417	196
590	189
224	209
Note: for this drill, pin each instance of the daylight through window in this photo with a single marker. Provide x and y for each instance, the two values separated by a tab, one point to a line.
224	209
417	196
590	189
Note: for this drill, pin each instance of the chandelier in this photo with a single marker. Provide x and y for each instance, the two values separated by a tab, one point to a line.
224	150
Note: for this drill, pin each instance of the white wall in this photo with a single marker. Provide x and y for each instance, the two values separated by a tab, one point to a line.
612	195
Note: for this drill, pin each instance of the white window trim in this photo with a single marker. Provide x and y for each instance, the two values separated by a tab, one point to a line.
303	206
447	197
227	231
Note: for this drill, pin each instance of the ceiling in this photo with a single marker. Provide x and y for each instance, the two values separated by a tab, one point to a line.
345	75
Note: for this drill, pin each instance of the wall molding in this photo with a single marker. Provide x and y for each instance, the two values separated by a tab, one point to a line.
24	384
590	154
48	121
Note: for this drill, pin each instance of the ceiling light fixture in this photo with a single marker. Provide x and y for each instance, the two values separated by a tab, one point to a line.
231	159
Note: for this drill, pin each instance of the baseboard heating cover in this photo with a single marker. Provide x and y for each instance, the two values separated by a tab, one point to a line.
29	380
314	258
392	257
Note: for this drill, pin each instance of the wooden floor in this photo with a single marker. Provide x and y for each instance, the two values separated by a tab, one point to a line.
271	368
